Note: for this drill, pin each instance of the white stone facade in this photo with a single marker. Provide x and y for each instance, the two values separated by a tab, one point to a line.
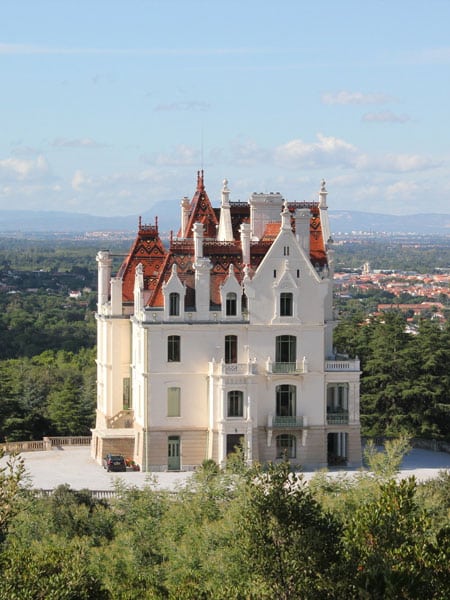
226	340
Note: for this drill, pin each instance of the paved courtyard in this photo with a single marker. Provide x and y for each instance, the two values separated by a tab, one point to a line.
74	466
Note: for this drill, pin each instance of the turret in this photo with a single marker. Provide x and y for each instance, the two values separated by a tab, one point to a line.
225	233
198	240
245	242
202	267
302	225
116	296
104	261
323	208
285	217
184	215
138	289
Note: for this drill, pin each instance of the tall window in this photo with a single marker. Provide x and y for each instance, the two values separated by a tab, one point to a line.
235	401
286	304
337	397
174	304
231	349
126	393
286	446
173	348
286	400
286	349
173	401
231	304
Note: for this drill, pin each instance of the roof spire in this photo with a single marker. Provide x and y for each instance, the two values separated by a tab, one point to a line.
200	181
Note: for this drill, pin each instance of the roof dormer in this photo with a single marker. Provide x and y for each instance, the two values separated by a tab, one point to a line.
174	293
231	296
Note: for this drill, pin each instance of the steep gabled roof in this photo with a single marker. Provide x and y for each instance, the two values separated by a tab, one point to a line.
157	261
150	252
201	211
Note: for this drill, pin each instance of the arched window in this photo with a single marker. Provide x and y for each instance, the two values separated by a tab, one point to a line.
235	404
286	446
174	304
286	349
286	400
231	349
286	304
231	304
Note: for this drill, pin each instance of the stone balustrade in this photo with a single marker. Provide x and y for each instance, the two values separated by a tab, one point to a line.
47	443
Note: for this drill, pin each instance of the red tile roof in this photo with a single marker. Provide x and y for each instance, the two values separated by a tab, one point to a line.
157	260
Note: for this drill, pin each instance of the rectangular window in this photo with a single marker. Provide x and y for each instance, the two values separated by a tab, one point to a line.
174	304
286	446
173	401
286	400
286	349
231	349
173	348
231	304
126	393
235	404
286	303
337	396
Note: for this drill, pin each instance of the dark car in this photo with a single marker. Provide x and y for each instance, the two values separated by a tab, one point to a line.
114	462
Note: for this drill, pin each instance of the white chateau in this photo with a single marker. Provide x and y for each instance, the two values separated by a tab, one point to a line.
225	337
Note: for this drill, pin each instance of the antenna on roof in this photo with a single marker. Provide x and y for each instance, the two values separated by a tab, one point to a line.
201	146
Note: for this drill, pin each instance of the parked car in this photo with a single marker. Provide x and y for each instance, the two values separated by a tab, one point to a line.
114	462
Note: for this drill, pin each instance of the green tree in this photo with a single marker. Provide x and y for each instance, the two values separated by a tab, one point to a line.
392	550
12	479
291	546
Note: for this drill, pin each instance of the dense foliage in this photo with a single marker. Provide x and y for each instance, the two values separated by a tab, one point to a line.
405	382
31	323
249	535
52	393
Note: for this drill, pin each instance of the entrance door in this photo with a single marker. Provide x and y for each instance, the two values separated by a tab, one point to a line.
234	440
173	453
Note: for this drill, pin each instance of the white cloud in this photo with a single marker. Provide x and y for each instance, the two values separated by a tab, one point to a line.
62	142
23	169
326	151
346	97
79	180
385	116
393	163
402	189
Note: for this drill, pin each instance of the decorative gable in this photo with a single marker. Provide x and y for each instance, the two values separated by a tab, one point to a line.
231	296
174	294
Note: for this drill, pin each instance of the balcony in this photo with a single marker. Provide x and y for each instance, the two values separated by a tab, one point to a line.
337	418
222	368
287	367
343	365
274	421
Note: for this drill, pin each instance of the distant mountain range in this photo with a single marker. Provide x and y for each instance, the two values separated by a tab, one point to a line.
341	221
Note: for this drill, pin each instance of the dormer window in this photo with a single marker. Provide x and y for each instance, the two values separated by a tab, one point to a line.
286	304
174	304
231	304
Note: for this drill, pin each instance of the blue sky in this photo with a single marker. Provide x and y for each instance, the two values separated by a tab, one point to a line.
108	107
